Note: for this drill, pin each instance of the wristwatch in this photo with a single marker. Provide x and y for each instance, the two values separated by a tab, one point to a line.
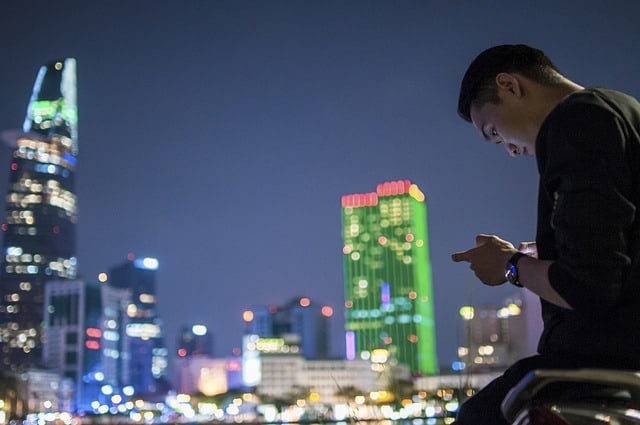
511	269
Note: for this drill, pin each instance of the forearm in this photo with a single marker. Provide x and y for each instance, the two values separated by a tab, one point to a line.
534	275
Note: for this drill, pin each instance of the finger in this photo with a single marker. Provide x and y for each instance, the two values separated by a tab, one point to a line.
459	256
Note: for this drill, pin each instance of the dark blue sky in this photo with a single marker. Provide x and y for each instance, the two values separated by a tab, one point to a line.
218	136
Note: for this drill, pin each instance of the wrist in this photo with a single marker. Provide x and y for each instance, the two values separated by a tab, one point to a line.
511	269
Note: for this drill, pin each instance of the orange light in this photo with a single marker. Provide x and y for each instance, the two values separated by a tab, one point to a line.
305	302
326	311
247	316
413	295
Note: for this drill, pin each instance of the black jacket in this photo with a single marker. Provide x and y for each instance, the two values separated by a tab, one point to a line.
588	154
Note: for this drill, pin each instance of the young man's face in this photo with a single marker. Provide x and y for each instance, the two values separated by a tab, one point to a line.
507	122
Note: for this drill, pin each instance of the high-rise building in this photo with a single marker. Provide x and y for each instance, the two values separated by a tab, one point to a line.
195	340
301	320
85	340
493	337
148	353
387	276
41	212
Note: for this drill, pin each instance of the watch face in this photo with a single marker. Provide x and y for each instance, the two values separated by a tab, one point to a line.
511	273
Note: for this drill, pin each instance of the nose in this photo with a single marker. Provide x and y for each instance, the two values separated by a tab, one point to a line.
512	149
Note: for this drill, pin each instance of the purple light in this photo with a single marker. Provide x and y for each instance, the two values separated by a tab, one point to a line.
350	338
385	294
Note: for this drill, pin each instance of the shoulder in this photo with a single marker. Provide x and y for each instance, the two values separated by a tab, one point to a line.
590	119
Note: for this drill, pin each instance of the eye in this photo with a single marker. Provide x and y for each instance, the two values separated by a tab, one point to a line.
494	134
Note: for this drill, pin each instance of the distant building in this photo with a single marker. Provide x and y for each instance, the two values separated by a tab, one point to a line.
496	336
85	340
287	376
148	353
387	276
301	320
195	340
39	226
201	374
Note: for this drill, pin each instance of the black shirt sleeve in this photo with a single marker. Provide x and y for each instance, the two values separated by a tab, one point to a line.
586	173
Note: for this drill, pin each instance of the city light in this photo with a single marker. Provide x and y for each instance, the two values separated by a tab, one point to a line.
199	330
247	316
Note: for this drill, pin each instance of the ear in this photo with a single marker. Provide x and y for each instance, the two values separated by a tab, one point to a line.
509	82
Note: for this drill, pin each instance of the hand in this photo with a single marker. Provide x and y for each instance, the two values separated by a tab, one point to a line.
488	258
529	248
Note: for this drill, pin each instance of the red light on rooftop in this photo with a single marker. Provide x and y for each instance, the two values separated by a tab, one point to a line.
182	352
14	166
397	187
360	200
305	302
326	311
4	227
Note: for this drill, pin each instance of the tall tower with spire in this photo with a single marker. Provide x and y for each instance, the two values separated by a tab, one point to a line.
39	242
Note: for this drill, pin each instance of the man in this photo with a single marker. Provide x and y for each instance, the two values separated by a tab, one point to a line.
584	264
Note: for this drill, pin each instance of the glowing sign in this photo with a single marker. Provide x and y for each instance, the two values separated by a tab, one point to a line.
143	330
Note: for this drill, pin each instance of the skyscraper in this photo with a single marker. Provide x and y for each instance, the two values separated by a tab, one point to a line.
387	276
195	340
41	213
301	320
148	361
86	341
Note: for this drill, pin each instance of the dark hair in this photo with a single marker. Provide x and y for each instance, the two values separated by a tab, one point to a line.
478	84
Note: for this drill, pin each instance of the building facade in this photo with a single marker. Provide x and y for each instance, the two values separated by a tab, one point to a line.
41	213
387	276
194	341
301	320
495	336
85	340
149	357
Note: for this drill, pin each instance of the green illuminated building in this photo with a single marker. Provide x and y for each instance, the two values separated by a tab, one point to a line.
387	276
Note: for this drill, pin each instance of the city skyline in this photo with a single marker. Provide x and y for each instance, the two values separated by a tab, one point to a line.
219	136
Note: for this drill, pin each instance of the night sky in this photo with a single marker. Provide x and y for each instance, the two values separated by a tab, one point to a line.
218	136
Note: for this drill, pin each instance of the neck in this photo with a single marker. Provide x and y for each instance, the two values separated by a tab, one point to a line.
550	96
